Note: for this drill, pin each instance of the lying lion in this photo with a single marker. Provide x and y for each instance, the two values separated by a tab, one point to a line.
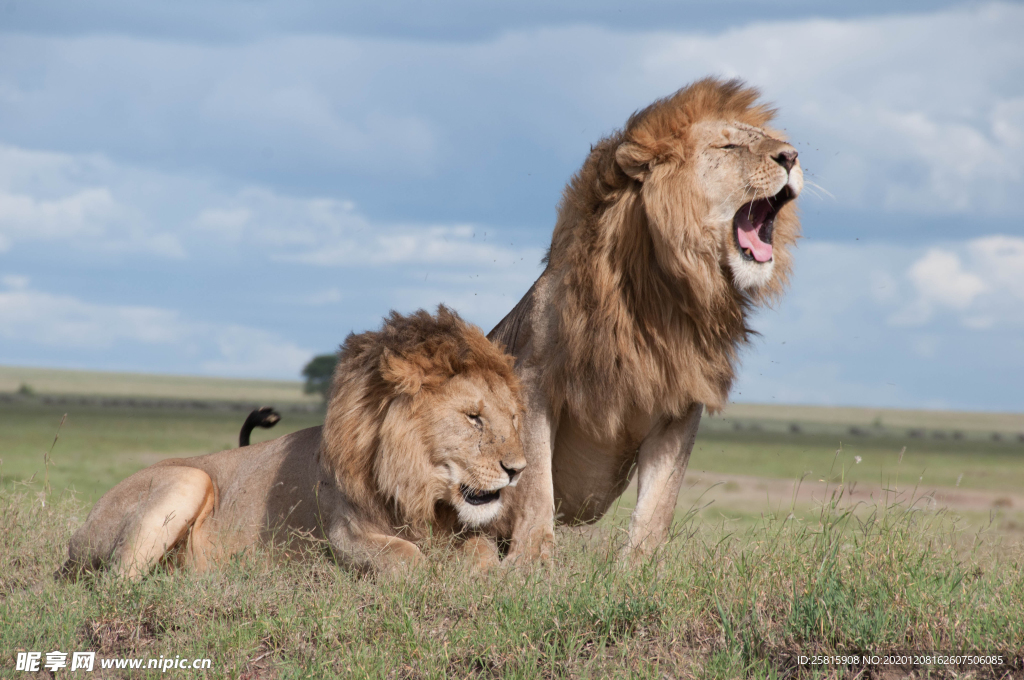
420	438
673	230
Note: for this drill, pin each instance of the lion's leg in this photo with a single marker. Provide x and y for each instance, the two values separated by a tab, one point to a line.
661	465
533	529
178	498
589	474
369	551
201	549
134	524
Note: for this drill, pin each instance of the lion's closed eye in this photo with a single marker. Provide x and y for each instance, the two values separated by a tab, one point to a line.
477	421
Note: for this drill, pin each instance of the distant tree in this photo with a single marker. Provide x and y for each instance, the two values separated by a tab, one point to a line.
318	374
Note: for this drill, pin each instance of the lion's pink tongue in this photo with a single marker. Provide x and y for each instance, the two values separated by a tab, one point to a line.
749	238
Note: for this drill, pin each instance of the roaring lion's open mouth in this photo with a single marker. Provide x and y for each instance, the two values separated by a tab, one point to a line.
754	223
474	497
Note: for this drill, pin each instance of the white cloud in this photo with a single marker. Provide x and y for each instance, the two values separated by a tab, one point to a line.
834	340
278	222
1001	259
265	233
226	222
456	245
320	231
249	351
1008	122
333	233
15	281
978	280
63	199
82	213
66	323
939	278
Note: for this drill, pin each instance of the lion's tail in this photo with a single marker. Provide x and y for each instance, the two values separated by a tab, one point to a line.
265	417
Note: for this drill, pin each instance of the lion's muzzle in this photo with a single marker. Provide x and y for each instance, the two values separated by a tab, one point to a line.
754	222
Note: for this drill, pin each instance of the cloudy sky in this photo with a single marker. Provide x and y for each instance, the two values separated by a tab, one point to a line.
229	188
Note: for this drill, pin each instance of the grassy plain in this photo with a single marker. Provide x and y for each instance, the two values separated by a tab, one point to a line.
712	603
97	446
119	423
921	551
61	382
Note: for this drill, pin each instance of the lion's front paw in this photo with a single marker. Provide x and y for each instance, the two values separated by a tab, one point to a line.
480	555
538	546
407	554
396	555
651	549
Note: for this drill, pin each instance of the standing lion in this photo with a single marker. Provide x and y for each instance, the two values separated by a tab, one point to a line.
671	232
420	438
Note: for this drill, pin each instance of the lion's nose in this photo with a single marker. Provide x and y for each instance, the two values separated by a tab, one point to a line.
786	159
511	471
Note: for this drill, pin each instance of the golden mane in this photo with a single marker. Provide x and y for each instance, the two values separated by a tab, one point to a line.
647	323
381	381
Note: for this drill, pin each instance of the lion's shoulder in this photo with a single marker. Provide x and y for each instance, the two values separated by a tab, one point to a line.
513	331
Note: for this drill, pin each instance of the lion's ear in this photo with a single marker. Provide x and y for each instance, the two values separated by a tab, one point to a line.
634	160
406	375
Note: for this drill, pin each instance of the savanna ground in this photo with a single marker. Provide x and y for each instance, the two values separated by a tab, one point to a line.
783	547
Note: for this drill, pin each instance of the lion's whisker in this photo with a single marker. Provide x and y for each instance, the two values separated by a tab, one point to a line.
731	193
813	192
809	183
750	210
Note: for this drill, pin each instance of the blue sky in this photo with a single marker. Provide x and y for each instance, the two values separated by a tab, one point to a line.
229	188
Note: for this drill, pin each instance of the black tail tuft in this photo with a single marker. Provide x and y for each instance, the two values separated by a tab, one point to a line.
262	417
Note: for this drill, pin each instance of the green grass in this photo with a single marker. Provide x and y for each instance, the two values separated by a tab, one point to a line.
747	584
975	464
98	446
977	422
711	604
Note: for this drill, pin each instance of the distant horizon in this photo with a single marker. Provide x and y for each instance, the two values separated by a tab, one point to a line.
143	373
299	383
